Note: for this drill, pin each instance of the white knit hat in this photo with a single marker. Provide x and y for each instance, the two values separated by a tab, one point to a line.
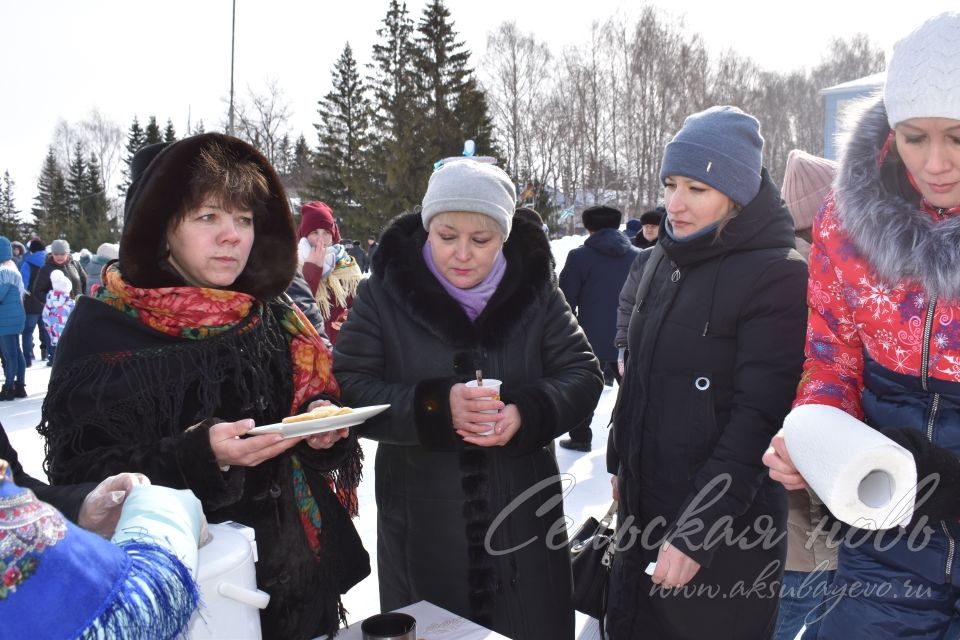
472	187
60	282
109	251
923	77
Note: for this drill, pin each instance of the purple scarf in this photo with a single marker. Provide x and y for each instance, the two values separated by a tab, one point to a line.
474	299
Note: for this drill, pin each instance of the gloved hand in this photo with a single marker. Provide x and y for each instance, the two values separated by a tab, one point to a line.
943	502
172	518
101	508
621	360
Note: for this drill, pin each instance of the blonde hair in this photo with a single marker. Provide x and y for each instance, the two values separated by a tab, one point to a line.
728	216
484	222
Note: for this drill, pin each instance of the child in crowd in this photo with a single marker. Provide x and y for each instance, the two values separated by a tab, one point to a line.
57	309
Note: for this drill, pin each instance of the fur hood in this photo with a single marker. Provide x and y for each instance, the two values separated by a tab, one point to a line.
886	224
398	263
157	193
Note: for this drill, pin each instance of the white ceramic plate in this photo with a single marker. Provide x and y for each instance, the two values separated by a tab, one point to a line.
320	425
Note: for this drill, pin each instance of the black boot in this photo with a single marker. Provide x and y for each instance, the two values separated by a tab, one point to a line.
19	391
43	352
6	393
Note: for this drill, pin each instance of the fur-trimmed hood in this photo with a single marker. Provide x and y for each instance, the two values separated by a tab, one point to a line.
158	192
399	263
886	223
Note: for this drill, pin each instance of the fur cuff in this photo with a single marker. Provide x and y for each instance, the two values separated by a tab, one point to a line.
431	413
538	421
214	488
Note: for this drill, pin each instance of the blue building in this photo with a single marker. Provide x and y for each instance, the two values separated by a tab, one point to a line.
836	99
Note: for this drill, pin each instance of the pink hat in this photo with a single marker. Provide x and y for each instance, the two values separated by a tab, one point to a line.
317	215
806	182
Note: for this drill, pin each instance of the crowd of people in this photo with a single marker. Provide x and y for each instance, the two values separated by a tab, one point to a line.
713	314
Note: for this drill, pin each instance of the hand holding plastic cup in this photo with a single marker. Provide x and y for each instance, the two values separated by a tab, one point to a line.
492	384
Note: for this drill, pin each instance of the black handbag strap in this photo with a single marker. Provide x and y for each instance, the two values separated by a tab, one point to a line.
656	255
607	562
608	517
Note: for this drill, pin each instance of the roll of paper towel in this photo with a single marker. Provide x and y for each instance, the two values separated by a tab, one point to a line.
866	479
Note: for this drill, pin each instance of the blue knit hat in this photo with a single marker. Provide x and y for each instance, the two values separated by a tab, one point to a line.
721	147
6	249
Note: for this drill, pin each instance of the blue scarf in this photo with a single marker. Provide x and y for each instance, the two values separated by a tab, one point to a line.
60	581
472	300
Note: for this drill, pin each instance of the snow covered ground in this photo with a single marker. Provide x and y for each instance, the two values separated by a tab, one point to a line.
588	483
588	492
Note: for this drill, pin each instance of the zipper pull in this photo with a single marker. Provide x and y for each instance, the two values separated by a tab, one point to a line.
675	276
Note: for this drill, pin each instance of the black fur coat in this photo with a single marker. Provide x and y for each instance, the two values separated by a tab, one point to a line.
447	531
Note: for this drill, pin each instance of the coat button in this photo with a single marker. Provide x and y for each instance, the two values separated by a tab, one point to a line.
275	491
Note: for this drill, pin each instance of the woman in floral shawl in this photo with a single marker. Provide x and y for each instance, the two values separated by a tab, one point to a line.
189	343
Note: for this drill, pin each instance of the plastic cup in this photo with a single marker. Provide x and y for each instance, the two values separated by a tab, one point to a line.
389	626
492	384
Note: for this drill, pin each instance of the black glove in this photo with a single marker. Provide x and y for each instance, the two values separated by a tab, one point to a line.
943	503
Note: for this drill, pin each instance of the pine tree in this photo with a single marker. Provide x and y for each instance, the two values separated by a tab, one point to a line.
10	225
397	158
284	156
342	178
50	205
61	205
169	134
456	106
95	225
474	120
135	141
76	185
441	72
152	132
301	167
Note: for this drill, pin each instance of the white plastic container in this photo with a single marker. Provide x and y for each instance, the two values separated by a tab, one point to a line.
227	578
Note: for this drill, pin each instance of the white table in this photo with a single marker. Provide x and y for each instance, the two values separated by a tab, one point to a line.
433	623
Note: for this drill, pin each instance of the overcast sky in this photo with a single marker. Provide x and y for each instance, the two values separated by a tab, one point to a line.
61	58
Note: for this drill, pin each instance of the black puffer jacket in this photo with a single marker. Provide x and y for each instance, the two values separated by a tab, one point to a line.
406	343
716	348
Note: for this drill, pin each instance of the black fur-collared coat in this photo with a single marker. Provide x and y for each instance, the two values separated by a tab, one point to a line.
126	397
446	529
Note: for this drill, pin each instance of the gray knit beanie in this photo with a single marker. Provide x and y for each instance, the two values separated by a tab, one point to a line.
59	247
923	77
472	187
721	147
